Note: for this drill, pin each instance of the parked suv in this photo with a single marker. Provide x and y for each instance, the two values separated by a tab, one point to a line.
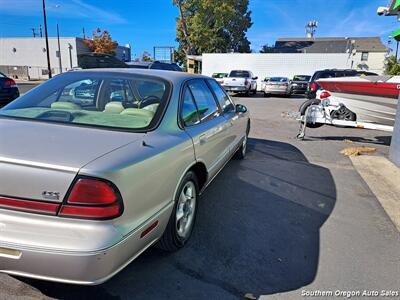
99	60
299	84
313	86
155	65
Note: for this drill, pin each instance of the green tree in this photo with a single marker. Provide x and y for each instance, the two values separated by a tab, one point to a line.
209	26
392	66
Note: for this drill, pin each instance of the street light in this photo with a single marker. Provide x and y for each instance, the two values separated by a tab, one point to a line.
47	39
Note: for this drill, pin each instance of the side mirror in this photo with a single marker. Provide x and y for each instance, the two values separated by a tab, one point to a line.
255	78
241	108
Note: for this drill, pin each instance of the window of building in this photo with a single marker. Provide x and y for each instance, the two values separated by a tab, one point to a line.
364	56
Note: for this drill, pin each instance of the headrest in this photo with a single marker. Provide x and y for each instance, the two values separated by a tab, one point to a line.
138	112
65	105
114	107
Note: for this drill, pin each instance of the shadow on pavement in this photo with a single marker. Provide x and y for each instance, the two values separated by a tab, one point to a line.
378	140
257	232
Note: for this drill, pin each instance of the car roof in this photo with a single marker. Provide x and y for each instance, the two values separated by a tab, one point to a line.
169	75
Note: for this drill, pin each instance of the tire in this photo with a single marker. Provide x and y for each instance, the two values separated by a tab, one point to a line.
255	92
173	239
242	151
344	114
266	95
303	109
247	94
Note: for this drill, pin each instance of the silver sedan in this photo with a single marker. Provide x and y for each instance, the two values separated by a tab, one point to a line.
96	166
277	86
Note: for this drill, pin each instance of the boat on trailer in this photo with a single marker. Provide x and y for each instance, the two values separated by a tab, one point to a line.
368	102
372	99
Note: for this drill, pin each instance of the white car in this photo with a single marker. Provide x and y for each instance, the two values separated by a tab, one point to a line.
240	81
278	86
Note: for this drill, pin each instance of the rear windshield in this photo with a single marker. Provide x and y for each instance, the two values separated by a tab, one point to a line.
319	75
96	62
301	78
112	100
219	75
240	74
278	79
2	75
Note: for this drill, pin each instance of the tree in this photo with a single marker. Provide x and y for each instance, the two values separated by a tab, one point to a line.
392	66
267	49
146	56
209	26
101	42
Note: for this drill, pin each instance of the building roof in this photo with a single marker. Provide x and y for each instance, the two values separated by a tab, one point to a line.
329	45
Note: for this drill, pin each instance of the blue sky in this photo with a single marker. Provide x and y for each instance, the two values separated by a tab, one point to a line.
147	23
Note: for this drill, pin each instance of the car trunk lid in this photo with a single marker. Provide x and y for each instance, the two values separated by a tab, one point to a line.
39	160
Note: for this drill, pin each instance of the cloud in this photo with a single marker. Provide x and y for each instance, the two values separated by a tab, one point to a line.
72	9
98	13
360	22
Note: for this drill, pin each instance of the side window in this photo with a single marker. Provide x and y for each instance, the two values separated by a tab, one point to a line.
189	114
223	99
204	99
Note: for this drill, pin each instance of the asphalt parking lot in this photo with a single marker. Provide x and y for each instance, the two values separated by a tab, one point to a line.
293	216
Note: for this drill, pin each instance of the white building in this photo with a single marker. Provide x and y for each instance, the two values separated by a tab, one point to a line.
26	57
273	64
365	53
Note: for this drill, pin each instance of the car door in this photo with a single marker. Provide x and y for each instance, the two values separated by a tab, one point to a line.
204	122
237	124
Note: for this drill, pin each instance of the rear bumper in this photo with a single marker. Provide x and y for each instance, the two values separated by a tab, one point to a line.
299	90
7	98
83	267
276	91
235	89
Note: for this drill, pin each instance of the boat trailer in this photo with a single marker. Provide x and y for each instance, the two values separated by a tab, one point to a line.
317	115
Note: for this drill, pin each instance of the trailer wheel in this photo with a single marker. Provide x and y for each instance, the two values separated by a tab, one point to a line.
303	109
343	113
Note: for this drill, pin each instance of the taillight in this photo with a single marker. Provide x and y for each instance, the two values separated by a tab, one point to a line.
324	95
89	198
10	83
29	206
222	82
92	198
313	86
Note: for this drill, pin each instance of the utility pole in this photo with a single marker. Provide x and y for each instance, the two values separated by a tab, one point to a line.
40	30
84	33
59	49
47	39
